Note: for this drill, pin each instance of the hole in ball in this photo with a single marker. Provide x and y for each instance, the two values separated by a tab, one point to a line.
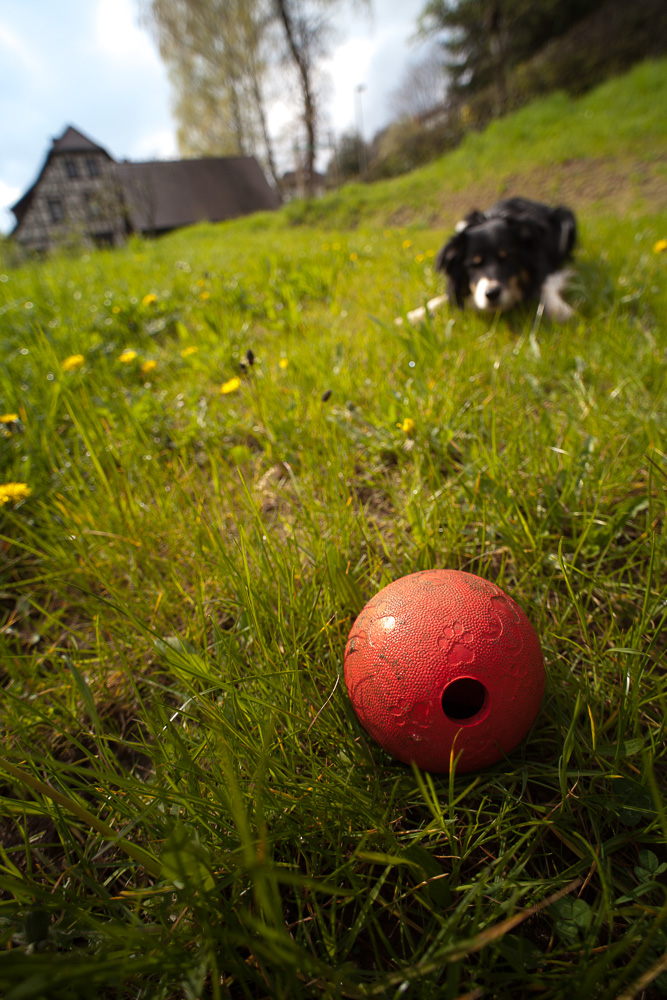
464	699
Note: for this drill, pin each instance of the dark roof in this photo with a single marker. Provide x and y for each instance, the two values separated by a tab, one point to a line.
166	194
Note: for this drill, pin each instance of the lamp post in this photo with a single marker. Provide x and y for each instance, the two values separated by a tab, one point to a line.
358	91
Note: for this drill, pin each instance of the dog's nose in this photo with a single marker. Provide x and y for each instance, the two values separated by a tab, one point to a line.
493	292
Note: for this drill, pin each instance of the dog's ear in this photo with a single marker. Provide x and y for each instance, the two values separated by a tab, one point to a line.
473	218
565	225
450	260
450	257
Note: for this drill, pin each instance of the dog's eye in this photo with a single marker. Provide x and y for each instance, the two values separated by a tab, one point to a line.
477	260
502	255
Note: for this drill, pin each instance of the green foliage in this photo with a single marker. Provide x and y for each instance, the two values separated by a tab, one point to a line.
189	806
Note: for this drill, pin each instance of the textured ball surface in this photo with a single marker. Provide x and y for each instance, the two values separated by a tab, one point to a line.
440	660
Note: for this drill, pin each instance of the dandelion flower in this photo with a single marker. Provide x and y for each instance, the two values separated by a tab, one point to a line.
660	246
127	356
354	256
73	362
408	426
205	295
148	367
8	418
187	351
406	244
420	257
230	386
13	492
149	299
283	363
115	309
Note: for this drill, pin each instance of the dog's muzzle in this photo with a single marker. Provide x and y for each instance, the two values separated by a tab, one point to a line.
490	295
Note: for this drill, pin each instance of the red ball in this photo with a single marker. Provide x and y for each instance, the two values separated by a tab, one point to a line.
443	661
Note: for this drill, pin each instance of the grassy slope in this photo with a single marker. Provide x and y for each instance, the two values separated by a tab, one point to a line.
179	586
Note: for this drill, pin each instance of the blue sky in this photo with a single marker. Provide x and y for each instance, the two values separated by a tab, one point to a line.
89	63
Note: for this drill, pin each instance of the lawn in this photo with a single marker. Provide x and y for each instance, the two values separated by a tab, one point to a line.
221	447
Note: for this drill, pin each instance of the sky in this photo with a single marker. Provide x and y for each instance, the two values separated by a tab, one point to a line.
91	64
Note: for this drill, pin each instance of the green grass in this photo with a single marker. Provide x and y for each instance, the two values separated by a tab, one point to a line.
189	807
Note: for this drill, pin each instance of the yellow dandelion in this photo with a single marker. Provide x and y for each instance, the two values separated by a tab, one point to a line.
73	362
200	282
408	426
149	299
115	309
430	253
127	356
354	256
187	351
660	246
8	418
230	386
148	367
283	363
205	295
406	244
13	492
335	246
419	258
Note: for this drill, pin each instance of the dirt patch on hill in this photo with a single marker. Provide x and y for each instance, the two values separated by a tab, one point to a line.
627	186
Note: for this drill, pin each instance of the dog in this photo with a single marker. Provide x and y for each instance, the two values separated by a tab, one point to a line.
513	252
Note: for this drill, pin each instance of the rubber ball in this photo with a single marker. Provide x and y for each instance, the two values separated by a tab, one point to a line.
443	665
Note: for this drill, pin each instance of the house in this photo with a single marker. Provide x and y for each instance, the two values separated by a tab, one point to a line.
81	192
293	185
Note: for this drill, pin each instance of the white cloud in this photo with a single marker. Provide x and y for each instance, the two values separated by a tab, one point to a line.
349	63
118	35
14	45
160	145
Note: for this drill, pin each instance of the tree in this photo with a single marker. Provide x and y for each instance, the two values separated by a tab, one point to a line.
215	51
484	39
217	55
308	28
423	87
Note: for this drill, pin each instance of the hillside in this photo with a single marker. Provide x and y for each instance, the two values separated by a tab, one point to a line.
606	147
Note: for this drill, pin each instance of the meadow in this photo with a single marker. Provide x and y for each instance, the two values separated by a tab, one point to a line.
216	447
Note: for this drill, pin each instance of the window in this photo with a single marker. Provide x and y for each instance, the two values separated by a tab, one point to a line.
93	167
56	210
71	168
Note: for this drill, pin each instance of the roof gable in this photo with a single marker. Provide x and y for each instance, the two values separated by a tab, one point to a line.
73	141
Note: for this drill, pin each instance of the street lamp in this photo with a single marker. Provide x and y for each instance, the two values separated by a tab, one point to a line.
358	91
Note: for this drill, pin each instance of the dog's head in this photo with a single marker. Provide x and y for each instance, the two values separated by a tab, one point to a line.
490	260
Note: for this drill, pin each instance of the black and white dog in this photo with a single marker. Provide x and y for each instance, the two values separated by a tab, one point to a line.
514	252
